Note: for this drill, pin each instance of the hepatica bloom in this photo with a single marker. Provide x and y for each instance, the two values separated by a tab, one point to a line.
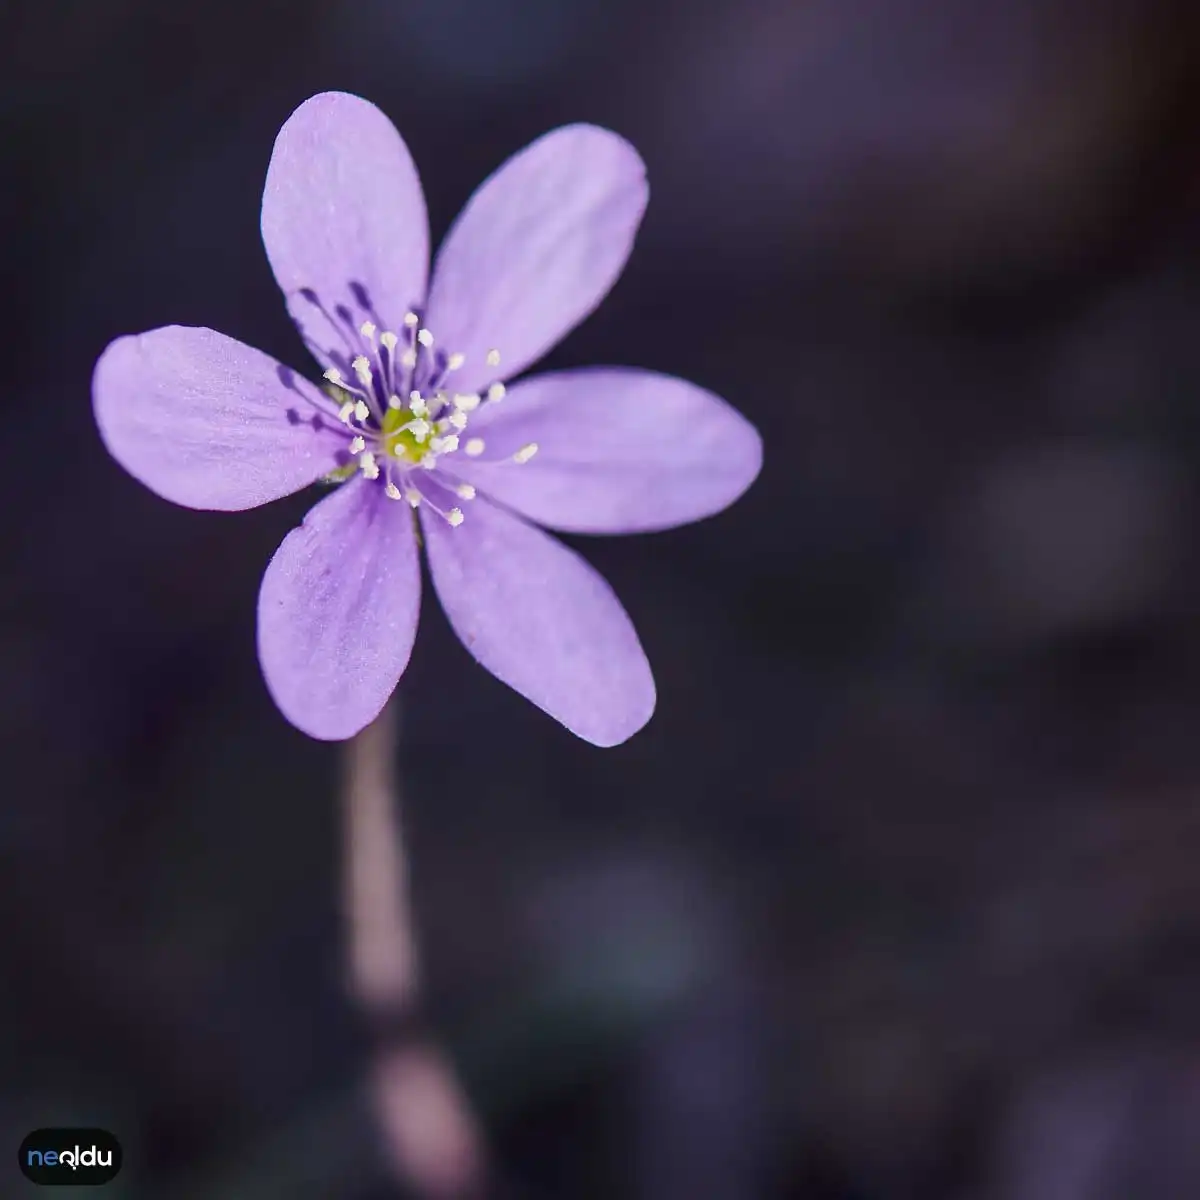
417	425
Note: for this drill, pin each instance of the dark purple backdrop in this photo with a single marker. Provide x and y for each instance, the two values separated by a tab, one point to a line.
897	896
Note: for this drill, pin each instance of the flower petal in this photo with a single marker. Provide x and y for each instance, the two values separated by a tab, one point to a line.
535	250
541	620
337	611
619	451
344	223
208	422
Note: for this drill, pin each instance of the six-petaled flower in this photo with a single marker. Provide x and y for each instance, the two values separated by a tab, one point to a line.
419	423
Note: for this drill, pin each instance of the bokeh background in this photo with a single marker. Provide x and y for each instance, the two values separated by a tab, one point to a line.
898	896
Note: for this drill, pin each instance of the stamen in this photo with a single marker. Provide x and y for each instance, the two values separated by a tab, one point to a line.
335	377
525	453
453	516
438	416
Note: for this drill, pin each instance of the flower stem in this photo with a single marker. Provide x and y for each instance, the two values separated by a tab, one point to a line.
431	1137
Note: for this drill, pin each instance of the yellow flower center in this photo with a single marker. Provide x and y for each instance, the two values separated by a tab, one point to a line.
398	440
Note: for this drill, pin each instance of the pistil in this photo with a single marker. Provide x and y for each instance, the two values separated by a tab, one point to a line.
404	416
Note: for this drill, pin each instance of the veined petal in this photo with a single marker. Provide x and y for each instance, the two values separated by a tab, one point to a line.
337	611
541	620
208	422
536	249
618	451
344	223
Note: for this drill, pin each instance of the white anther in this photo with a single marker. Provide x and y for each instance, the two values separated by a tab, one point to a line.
493	358
370	468
411	319
408	358
393	492
367	329
467	402
466	491
444	445
395	402
346	412
496	392
474	447
458	420
388	339
454	516
425	338
429	462
417	405
525	453
357	444
455	361
412	496
362	368
361	411
419	428
333	375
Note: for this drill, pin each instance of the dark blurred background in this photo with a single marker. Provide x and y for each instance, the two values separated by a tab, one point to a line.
898	895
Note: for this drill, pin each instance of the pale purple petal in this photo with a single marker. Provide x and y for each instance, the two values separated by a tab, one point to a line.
337	612
618	451
209	423
344	223
537	247
543	621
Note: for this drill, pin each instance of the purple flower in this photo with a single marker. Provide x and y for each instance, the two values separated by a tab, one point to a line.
416	423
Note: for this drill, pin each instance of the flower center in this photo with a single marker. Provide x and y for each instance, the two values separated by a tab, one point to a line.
407	419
